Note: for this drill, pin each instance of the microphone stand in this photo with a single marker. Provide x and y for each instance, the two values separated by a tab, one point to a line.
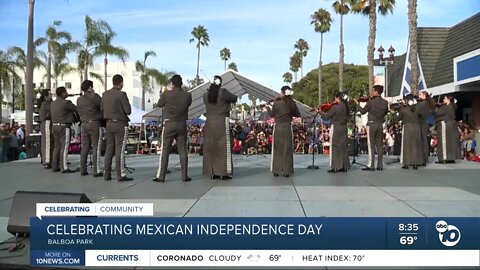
355	145
314	135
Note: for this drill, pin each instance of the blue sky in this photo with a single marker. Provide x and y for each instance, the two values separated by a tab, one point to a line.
260	34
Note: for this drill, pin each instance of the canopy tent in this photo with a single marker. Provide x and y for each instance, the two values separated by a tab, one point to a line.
19	117
237	85
136	116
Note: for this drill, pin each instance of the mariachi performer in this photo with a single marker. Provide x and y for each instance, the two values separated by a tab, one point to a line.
217	155
283	110
411	153
45	116
175	103
376	108
338	113
64	114
90	112
425	105
447	131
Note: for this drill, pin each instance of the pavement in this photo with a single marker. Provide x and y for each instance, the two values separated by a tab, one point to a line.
434	190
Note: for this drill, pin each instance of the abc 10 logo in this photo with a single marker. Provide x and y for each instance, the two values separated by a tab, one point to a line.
449	235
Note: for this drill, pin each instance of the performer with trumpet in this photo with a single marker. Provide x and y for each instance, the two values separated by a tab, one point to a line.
377	108
175	102
412	149
338	113
283	110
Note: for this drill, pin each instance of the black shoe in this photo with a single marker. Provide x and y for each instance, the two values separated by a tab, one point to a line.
188	179
107	178
441	162
451	161
214	177
125	178
83	173
405	167
47	166
225	177
333	171
158	180
342	170
415	167
368	169
100	174
168	171
287	175
68	171
275	174
379	169
56	170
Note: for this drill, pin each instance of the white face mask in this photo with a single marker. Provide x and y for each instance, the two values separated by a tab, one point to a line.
217	82
170	86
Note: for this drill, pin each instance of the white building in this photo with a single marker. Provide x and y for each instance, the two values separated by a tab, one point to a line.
71	81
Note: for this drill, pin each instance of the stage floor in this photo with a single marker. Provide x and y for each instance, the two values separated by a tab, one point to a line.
435	190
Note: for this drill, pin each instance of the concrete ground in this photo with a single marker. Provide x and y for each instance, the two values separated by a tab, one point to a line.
436	190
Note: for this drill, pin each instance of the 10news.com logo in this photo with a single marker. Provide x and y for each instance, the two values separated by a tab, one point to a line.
449	235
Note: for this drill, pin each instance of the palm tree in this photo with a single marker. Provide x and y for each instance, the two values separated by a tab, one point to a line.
144	78
295	64
302	46
199	34
342	8
369	8
322	21
106	48
287	77
412	26
94	35
233	66
29	70
253	99
225	56
149	75
54	39
8	72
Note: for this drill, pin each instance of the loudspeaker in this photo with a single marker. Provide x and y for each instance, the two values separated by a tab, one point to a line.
24	206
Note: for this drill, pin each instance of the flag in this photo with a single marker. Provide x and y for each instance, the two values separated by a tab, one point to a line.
407	75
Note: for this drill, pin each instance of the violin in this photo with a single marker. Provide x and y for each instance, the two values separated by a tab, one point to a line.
325	107
364	98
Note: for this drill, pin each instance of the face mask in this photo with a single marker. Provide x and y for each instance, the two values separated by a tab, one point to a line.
217	81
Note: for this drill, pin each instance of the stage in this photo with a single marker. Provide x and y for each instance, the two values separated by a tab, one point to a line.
436	190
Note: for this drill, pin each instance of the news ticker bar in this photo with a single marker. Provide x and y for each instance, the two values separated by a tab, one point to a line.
246	258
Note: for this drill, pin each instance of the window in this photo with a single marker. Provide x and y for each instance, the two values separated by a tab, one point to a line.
68	85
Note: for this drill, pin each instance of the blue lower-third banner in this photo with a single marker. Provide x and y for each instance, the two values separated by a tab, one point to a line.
155	233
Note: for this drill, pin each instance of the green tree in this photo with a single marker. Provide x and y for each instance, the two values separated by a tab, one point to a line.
225	56
105	48
356	82
55	40
287	77
200	35
412	37
295	64
302	47
342	8
369	8
9	77
149	75
233	66
95	32
322	21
